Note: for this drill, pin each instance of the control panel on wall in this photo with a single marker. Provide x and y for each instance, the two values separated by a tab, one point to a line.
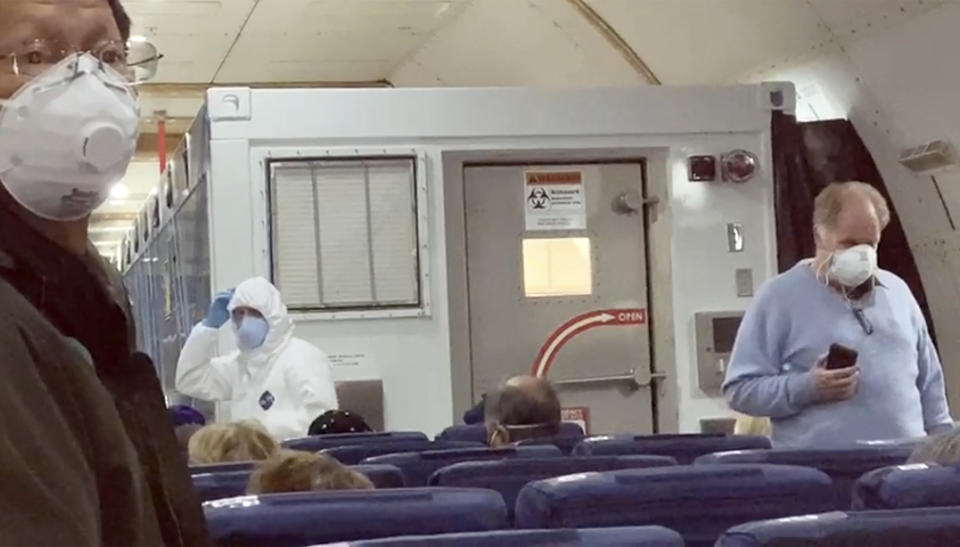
716	333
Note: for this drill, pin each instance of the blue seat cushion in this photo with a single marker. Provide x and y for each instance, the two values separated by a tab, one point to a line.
934	527
699	502
905	486
305	518
316	443
509	476
844	465
354	454
683	448
417	467
630	536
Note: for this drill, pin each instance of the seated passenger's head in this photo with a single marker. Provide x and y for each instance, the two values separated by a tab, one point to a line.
338	421
233	442
525	407
847	221
943	449
294	471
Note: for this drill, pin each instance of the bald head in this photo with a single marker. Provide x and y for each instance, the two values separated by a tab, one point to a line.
524	407
849	214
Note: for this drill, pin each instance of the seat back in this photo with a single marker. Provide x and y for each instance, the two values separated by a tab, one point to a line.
509	476
222	467
566	444
352	455
683	448
315	443
418	466
700	502
843	465
568	435
305	518
474	433
905	486
228	484
907	527
630	536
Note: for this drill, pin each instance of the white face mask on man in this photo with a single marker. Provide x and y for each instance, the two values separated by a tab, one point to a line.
67	136
854	266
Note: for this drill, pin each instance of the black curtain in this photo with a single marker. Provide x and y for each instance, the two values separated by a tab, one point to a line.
806	158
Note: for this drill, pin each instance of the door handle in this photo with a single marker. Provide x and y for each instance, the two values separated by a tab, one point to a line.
630	377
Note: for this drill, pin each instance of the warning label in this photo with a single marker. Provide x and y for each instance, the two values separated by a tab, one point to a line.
554	200
579	415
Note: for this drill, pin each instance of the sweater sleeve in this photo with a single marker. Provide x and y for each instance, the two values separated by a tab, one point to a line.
756	383
936	412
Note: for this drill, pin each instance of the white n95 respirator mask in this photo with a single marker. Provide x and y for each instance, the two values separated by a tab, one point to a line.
67	136
854	266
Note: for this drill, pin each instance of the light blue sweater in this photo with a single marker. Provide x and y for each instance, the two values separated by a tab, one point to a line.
792	322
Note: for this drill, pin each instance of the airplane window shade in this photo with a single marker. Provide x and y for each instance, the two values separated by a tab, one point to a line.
345	234
296	242
344	237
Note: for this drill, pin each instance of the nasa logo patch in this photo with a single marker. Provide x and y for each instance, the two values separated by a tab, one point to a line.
266	400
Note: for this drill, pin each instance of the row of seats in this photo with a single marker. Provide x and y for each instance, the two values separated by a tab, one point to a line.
936	528
700	503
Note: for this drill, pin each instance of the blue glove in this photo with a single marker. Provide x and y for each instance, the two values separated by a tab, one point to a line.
217	315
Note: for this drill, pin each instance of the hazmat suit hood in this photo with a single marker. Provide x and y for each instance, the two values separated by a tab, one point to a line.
261	295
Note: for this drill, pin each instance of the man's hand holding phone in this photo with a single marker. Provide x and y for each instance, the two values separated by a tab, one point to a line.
835	375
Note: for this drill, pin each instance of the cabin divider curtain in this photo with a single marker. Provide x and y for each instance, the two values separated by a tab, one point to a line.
806	158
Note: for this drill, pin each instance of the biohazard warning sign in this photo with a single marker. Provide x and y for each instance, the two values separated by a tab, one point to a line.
554	200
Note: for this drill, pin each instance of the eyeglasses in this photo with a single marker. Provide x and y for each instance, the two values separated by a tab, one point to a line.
135	60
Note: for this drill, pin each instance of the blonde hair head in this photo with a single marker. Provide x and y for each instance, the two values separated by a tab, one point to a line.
233	442
295	471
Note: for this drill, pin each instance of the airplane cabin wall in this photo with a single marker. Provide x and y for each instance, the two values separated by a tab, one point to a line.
898	84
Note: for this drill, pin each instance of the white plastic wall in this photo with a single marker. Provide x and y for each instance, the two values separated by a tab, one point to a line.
412	355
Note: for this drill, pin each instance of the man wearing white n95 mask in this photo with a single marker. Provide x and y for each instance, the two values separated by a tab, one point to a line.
89	456
882	380
281	381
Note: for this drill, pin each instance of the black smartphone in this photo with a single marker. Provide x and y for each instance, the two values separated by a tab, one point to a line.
841	357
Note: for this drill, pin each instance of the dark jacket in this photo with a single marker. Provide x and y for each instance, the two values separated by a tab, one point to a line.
59	310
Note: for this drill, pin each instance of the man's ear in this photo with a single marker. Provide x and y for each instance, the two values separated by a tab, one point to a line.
498	436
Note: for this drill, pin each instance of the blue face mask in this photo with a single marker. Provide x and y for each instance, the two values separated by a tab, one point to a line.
252	333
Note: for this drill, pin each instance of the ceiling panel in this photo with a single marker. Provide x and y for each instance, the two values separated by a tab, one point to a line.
700	41
332	40
193	35
842	13
513	42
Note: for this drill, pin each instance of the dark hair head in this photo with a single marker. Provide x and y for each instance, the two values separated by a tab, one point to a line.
121	17
338	421
526	407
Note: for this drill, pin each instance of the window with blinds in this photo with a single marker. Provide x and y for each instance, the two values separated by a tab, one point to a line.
344	233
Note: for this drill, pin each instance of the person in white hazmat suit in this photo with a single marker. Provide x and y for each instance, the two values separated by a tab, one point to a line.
280	380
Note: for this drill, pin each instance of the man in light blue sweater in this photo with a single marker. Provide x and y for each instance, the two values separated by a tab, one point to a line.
778	367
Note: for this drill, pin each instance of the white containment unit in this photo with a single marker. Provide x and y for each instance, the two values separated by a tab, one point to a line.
443	240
